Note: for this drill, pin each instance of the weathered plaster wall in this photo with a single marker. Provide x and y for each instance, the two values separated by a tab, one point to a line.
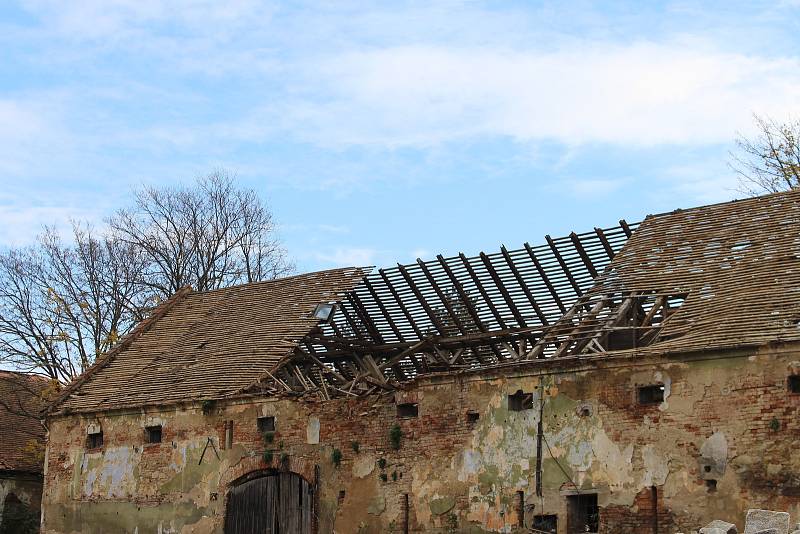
732	414
26	487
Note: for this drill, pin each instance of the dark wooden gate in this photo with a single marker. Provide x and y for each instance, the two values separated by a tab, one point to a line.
279	503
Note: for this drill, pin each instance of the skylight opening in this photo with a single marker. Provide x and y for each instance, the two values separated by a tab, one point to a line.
324	312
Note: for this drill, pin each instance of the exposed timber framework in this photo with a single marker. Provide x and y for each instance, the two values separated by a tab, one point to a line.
548	301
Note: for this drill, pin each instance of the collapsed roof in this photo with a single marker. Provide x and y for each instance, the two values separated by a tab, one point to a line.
712	277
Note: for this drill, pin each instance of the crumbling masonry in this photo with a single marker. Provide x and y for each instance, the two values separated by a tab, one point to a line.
642	378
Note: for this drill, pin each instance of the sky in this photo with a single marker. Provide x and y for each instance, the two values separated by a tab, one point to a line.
379	132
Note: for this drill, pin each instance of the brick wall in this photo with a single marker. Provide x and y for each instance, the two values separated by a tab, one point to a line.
459	475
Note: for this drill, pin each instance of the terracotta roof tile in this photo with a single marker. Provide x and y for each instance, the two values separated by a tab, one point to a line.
20	404
210	344
738	261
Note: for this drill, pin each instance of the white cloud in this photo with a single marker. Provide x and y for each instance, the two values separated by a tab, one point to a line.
641	94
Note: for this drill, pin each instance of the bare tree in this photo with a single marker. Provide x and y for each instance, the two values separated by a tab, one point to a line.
64	304
208	236
769	162
61	305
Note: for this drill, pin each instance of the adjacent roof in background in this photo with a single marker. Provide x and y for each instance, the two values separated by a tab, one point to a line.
20	404
207	345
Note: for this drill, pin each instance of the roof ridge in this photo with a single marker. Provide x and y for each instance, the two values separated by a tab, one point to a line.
757	198
145	325
362	269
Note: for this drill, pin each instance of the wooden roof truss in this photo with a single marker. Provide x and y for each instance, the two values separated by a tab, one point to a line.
459	313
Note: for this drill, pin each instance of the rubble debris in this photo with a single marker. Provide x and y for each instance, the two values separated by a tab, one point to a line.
719	527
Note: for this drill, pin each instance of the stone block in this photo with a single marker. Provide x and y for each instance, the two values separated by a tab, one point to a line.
719	527
763	521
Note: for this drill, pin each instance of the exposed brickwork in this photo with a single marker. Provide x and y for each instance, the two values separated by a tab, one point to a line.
460	474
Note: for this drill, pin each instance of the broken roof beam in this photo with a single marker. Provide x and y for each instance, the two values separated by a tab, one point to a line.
364	316
482	290
468	304
442	297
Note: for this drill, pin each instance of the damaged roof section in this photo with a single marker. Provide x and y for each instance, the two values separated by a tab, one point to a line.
448	313
708	278
207	345
736	266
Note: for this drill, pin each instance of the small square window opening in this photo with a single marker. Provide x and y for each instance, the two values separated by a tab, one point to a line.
94	440
153	434
266	424
651	394
407	409
472	417
794	384
520	401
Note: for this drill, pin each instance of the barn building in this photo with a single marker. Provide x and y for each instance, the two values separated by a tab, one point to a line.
643	378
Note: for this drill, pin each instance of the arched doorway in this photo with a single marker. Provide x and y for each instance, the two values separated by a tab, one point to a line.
270	503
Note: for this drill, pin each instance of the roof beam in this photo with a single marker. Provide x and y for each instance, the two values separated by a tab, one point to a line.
521	281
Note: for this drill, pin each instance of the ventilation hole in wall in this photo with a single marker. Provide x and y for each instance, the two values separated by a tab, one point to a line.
94	440
520	401
711	485
794	384
653	394
707	468
153	434
340	499
266	424
407	409
472	417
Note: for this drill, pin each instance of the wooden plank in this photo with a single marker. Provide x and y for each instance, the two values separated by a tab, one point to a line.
545	278
564	266
587	261
523	285
386	315
606	244
399	301
482	291
422	300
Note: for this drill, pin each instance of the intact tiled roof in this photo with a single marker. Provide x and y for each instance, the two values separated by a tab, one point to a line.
739	263
207	345
20	404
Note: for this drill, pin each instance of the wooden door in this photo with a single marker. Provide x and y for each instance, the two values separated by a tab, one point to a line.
280	503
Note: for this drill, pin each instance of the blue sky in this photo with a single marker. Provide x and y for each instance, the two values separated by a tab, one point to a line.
382	131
